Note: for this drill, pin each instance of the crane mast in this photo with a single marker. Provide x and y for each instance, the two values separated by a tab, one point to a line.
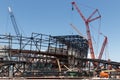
103	47
14	22
87	21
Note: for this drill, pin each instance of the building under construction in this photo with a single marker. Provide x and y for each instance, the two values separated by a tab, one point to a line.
41	55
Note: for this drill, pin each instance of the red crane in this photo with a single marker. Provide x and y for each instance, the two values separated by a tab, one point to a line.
87	21
103	47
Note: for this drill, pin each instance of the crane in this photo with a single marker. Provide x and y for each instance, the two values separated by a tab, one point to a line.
75	28
103	47
14	21
87	21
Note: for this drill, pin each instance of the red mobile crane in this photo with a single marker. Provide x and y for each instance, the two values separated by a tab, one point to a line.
87	21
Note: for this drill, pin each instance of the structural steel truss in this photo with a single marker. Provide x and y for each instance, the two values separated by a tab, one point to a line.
40	54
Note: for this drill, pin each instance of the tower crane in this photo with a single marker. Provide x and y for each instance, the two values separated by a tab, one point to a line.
87	21
14	21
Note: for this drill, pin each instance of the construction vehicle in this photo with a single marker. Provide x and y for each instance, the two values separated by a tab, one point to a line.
104	74
87	21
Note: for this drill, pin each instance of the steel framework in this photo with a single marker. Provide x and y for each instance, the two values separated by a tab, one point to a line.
44	55
40	54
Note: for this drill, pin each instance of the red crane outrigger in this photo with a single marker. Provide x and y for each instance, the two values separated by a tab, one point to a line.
87	21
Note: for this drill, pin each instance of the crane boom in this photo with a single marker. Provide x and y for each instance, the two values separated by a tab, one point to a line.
103	47
73	3
87	27
14	21
75	28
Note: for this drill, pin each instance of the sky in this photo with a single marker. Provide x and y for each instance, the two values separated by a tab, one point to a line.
53	17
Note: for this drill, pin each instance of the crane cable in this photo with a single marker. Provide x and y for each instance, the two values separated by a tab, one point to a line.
99	27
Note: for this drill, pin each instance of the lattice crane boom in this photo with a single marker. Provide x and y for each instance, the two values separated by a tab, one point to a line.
89	19
14	21
103	47
82	16
75	28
